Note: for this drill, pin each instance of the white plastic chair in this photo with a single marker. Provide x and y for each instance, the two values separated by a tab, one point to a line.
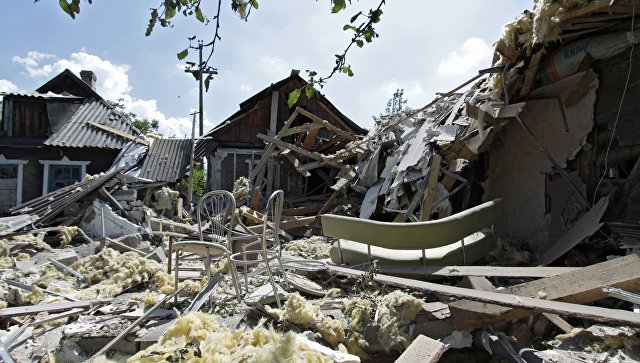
266	254
218	209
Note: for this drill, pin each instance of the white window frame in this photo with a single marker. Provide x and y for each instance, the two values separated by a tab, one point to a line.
64	161
20	164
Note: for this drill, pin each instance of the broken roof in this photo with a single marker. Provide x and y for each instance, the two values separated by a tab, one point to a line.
78	132
167	160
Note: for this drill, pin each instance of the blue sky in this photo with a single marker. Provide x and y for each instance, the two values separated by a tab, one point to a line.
424	47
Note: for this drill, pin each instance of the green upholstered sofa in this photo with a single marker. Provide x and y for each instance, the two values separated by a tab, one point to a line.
459	239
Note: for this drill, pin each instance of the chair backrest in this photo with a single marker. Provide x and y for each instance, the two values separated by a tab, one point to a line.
417	235
272	217
217	208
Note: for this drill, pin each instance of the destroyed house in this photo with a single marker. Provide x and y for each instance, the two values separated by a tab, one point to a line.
234	147
55	136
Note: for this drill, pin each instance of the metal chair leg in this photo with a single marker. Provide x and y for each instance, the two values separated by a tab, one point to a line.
284	273
234	277
175	269
273	283
464	255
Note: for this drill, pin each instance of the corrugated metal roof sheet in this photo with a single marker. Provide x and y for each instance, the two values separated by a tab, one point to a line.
167	160
78	133
46	96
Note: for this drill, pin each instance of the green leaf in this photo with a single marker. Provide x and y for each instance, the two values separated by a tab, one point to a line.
152	21
338	5
182	55
347	26
199	15
347	70
254	3
293	97
353	18
359	43
309	91
169	12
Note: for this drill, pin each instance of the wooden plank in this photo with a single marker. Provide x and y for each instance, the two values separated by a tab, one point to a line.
431	190
328	125
424	350
327	145
298	149
272	131
311	137
302	128
586	226
579	286
335	117
531	73
533	305
257	171
491	271
582	10
302	210
49	308
300	222
482	283
119	133
559	322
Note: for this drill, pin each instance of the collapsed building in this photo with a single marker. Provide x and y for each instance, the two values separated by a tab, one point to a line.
497	222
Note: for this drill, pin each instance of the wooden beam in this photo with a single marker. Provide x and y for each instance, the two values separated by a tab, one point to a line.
532	305
335	117
297	149
119	133
482	283
431	190
492	271
273	123
300	222
327	124
257	171
580	286
302	128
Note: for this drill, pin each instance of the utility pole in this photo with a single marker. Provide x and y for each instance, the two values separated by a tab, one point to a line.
192	162
199	73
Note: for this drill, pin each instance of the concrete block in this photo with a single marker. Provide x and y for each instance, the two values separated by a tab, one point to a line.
423	349
128	195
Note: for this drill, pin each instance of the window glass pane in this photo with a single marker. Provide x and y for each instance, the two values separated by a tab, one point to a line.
63	175
8	171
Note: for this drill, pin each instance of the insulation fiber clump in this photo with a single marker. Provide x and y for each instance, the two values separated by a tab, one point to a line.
111	272
197	337
397	309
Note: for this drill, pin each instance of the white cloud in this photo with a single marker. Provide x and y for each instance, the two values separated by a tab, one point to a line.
112	84
32	59
245	88
468	57
272	67
8	86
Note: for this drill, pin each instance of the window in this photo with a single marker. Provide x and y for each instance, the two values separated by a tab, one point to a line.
8	171
61	176
61	173
11	174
